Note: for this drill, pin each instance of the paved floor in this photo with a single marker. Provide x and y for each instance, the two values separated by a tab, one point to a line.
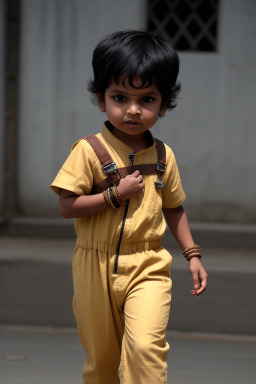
45	356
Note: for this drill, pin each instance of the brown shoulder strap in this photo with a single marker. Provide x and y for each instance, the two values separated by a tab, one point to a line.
145	169
161	162
108	165
113	173
161	151
99	149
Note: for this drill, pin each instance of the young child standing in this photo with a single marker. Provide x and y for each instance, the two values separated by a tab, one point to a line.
118	193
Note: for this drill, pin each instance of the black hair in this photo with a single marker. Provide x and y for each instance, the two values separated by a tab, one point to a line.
136	53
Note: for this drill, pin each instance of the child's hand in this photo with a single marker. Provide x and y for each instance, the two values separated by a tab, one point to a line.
131	186
199	276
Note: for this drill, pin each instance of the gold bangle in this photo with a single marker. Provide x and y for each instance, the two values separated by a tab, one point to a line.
113	198
196	254
191	251
117	195
105	198
192	247
111	204
108	199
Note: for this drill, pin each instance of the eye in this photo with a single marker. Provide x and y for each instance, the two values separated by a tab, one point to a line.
148	99
120	98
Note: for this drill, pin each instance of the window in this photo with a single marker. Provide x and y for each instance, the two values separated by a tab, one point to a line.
190	25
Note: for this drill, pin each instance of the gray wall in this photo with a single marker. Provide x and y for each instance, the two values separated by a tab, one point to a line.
212	130
1	104
58	38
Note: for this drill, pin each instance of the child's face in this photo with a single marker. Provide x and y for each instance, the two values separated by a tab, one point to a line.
132	110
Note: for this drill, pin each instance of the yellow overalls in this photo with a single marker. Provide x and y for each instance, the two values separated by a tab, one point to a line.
122	311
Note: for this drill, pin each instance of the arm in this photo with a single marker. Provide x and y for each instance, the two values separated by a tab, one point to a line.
72	205
178	223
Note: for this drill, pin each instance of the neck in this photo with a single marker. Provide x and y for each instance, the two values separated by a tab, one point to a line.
137	142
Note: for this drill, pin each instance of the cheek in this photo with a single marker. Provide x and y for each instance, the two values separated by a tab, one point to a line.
115	111
152	114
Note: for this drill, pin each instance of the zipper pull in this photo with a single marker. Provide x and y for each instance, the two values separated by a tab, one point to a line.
131	157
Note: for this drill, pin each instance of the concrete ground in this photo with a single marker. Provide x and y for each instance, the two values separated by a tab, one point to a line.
54	356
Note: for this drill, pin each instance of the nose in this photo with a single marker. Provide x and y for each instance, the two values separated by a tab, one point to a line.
133	109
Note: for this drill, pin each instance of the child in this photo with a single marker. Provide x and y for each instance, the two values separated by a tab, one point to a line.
121	274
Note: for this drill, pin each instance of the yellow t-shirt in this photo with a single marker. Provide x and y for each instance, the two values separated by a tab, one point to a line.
144	221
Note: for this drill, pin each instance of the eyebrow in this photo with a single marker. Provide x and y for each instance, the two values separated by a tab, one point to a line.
118	91
153	93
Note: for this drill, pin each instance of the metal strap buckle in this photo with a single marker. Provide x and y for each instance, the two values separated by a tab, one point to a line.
109	168
160	170
160	167
159	184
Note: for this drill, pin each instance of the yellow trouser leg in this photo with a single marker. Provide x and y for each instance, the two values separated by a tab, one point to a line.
144	284
98	321
144	348
125	314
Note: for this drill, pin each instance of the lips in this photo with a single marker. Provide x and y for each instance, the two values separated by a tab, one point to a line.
132	122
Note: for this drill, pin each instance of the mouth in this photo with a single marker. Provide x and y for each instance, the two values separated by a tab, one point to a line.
131	122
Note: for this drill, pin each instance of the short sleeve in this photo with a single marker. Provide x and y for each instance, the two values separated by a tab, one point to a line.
173	193
76	174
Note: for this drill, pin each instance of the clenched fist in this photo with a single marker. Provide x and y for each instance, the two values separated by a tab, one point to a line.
131	186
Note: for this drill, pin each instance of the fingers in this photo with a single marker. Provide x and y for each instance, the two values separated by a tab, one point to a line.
140	179
200	284
141	185
203	286
135	173
199	276
195	280
131	186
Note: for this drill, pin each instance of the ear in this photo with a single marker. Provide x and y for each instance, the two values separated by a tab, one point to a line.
163	108
101	101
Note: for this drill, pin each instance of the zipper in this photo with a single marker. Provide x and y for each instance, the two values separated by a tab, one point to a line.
121	235
131	157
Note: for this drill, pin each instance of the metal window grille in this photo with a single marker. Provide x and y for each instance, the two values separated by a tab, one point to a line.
190	25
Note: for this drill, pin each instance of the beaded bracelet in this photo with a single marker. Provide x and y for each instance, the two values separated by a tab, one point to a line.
108	199
117	195
112	198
